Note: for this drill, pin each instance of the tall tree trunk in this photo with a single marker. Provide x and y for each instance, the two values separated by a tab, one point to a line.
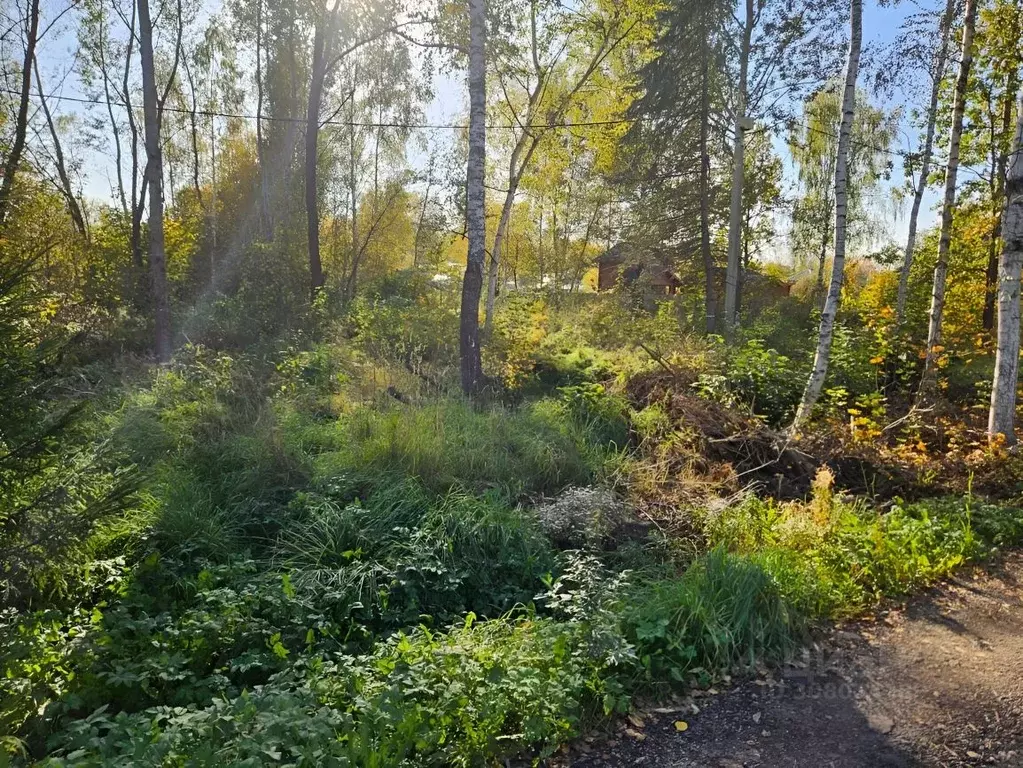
312	132
114	129
264	184
475	195
516	168
422	213
1001	420
999	170
540	270
353	276
74	208
21	122
214	234
193	119
710	286
827	328
818	295
519	162
738	177
154	175
137	195
929	380
925	163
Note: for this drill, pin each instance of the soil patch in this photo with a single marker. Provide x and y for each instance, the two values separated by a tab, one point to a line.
938	682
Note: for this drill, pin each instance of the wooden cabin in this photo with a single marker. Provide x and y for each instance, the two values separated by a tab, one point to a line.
615	266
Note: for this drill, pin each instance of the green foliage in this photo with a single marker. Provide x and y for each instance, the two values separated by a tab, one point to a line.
833	558
265	300
758	378
400	557
207	432
410	322
56	479
465	697
38	666
322	571
538	448
724	611
600	415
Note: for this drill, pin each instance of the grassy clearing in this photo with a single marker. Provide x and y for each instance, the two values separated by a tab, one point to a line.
311	575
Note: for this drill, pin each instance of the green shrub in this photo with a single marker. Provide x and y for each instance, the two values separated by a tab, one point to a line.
600	415
406	557
725	610
480	692
409	322
833	558
38	666
757	378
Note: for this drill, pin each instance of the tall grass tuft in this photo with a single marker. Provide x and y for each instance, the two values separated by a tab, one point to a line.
724	611
449	444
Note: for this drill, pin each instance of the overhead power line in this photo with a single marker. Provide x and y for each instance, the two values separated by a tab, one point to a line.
902	154
342	123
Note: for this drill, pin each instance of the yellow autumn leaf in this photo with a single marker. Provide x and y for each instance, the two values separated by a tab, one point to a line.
876	360
681	725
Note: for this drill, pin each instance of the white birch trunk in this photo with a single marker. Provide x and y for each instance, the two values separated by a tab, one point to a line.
1002	418
815	384
929	380
925	163
475	195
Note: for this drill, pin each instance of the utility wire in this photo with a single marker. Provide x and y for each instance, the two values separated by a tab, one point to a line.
343	123
904	155
901	154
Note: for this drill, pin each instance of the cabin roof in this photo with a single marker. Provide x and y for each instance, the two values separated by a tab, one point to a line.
613	256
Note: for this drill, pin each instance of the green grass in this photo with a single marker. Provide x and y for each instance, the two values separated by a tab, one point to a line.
834	558
535	449
726	610
371	587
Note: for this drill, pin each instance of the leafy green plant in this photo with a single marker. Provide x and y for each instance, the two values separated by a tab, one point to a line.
479	692
759	378
725	610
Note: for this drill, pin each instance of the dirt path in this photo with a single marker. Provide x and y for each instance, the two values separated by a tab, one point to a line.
937	683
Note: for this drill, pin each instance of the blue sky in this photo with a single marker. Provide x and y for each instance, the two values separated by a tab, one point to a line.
58	51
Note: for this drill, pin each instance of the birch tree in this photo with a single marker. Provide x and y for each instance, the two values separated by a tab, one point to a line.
827	327
783	50
475	201
990	112
929	380
322	33
338	33
547	101
813	147
1001	420
63	183
152	108
21	120
937	75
